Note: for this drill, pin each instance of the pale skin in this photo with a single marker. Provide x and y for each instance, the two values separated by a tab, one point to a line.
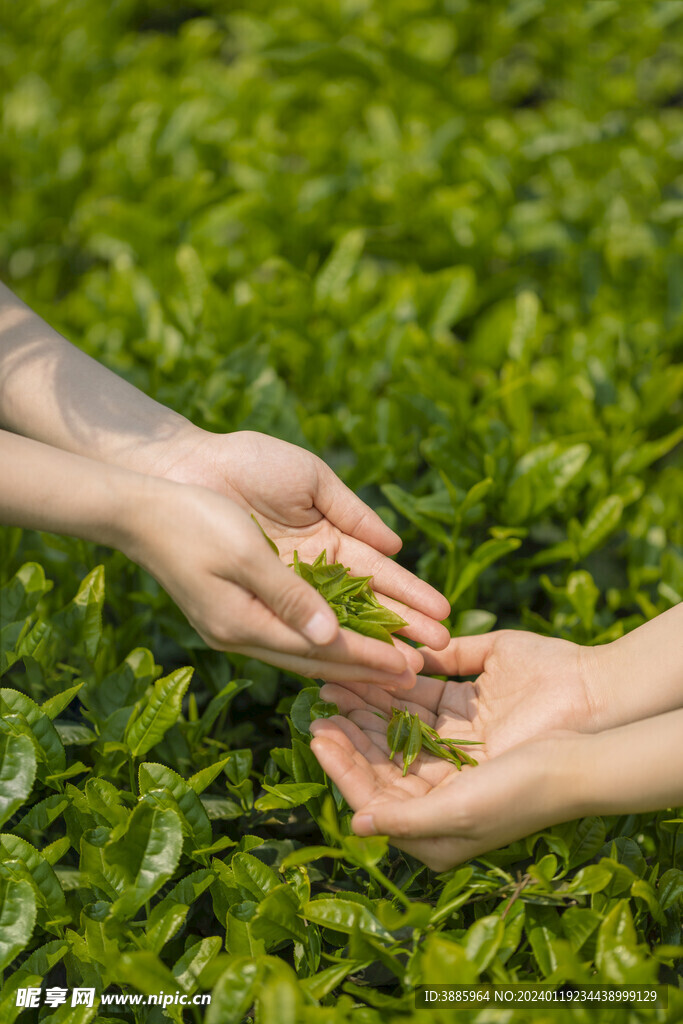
563	729
87	454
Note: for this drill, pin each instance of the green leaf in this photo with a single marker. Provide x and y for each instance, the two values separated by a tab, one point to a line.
540	477
161	710
234	992
483	939
66	1014
55	705
278	996
481	558
444	962
197	826
17	773
20	596
144	857
81	620
578	924
473	622
288	794
583	594
253	875
276	918
300	711
165	926
601	522
17	918
343	915
587	840
189	967
145	972
407	505
335	273
186	892
636	460
23	716
321	984
202	779
21	860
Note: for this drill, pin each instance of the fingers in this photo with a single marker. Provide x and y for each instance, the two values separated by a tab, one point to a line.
393	580
315	668
295	602
425	696
464	656
359	769
231	619
412	656
358	697
434	814
348	513
421	628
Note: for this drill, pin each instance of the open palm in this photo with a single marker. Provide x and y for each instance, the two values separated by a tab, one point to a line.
530	692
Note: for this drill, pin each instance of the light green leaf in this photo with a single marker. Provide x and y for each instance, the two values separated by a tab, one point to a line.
288	794
483	939
197	825
19	712
54	706
17	773
483	556
234	992
17	918
160	711
81	620
20	859
188	968
343	915
336	272
145	856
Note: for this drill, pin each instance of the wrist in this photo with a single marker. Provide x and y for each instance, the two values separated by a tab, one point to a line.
136	521
597	669
169	452
564	788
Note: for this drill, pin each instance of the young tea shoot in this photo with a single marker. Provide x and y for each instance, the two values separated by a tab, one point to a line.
407	734
351	597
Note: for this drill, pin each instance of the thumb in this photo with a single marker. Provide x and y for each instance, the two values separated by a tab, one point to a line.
295	602
429	815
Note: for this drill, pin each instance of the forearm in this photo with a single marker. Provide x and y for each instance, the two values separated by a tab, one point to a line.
640	674
52	392
44	488
637	767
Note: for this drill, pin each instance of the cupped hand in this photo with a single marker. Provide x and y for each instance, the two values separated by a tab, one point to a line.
441	815
210	556
528	706
302	505
525	686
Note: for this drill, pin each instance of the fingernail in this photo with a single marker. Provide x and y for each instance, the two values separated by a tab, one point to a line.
320	629
406	681
364	825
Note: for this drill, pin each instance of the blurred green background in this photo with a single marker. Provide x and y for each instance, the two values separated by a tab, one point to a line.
420	238
438	243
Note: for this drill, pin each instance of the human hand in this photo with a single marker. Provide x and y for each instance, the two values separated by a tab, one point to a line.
526	685
437	813
530	690
444	816
212	559
302	505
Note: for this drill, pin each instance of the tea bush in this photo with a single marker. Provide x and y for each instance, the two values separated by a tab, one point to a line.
439	245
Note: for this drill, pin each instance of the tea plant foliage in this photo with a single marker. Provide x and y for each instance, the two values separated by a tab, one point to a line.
441	248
